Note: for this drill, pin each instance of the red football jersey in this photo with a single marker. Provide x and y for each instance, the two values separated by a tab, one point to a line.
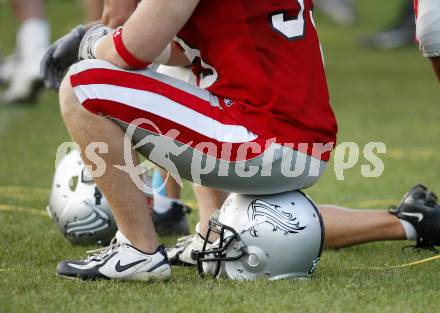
264	59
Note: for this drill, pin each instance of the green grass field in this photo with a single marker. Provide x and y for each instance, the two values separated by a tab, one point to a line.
378	96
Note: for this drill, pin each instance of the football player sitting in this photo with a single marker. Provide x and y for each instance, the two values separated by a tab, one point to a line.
103	95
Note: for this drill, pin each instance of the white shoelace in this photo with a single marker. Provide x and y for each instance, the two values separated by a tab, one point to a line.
100	253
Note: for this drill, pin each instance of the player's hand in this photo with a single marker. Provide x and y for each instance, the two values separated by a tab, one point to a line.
89	40
60	56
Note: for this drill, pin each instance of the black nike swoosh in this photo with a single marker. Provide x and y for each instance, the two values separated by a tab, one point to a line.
122	268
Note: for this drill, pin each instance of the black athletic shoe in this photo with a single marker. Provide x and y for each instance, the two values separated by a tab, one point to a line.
173	221
401	34
420	208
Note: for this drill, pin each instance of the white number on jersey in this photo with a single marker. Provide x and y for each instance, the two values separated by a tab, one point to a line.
291	27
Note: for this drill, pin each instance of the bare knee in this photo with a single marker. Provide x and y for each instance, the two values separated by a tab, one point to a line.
68	101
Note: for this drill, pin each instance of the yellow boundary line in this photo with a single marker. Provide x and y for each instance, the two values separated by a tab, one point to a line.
13	208
395	267
375	203
420	153
14	190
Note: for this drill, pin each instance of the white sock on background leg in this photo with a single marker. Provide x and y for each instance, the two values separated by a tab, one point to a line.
33	38
163	203
410	231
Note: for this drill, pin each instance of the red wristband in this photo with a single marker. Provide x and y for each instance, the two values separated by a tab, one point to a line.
126	55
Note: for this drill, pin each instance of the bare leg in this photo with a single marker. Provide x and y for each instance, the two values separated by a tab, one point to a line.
208	200
172	187
22	70
348	227
129	204
26	9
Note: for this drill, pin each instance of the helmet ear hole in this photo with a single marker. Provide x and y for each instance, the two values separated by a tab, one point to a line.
73	183
253	260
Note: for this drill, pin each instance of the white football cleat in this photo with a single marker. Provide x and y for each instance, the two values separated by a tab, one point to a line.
120	261
24	84
184	253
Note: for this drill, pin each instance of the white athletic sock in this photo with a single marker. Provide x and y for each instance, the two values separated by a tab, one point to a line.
33	39
163	203
410	231
120	237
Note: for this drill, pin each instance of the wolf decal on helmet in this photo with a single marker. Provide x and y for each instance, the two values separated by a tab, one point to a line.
260	210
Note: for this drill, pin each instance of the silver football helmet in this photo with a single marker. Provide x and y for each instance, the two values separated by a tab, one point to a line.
78	208
273	236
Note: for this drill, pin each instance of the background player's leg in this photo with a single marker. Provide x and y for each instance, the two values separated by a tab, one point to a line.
128	203
166	191
346	227
172	188
32	41
208	201
169	212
